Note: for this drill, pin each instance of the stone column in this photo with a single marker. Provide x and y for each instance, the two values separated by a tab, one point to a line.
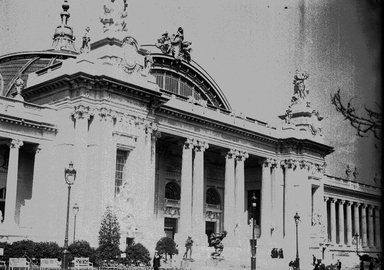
198	189
332	206
356	220
12	177
186	191
341	222
229	193
266	200
289	196
371	241
349	223
377	227
241	219
326	221
277	201
364	224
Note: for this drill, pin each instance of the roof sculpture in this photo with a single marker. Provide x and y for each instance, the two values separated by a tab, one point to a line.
115	15
175	45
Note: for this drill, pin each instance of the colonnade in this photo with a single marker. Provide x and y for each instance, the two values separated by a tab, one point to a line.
349	218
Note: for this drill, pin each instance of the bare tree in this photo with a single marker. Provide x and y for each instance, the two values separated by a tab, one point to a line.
365	123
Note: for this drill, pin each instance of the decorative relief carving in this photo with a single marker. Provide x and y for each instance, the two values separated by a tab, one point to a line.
107	114
211	215
289	163
171	211
82	112
355	174
348	172
150	127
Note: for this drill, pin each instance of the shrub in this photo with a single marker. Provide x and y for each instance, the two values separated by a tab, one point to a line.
137	254
47	250
166	246
82	248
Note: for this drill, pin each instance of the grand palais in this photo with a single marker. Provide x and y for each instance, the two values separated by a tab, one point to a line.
152	136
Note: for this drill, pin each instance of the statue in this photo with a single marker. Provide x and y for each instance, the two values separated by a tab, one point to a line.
175	45
215	241
188	247
85	47
164	43
299	91
19	87
148	62
115	14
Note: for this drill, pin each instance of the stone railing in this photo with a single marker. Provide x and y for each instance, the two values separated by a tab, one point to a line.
352	185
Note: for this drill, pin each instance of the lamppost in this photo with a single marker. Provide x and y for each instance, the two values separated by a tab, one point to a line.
75	209
70	176
356	238
297	219
253	241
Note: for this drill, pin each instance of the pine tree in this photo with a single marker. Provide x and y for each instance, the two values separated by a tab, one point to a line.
109	236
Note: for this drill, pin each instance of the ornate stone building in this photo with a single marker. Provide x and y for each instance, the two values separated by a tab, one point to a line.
151	135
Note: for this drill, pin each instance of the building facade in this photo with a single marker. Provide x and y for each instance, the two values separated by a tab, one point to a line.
153	137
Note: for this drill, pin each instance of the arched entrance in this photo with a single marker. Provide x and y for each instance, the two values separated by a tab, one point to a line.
171	209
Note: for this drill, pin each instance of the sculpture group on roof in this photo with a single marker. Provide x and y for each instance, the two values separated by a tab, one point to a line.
299	90
175	45
115	14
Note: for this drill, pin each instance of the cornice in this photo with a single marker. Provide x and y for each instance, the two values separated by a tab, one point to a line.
27	123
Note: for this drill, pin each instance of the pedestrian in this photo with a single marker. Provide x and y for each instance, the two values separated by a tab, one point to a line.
338	264
291	265
156	261
371	266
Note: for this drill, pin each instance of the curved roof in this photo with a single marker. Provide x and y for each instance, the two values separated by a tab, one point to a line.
192	74
15	65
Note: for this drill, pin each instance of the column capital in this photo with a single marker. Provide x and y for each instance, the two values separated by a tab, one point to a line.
16	143
326	198
107	114
303	164
357	204
363	205
200	146
377	208
241	155
37	148
150	127
341	201
230	154
332	200
188	143
82	112
270	162
289	163
348	203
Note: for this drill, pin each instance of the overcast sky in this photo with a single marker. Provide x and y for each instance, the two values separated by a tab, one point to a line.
251	48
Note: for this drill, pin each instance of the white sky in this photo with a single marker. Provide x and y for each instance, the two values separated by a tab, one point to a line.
250	47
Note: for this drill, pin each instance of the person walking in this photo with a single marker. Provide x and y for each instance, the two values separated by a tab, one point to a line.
188	247
338	264
156	261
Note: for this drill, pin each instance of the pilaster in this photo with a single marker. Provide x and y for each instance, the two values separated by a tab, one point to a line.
356	221
277	201
377	227
241	219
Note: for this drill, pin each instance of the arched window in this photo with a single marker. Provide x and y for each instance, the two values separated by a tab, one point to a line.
172	191
213	197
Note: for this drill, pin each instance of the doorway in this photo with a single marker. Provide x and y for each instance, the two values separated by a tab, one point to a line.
210	228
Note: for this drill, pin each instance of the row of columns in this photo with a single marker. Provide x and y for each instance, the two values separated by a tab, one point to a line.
365	223
192	216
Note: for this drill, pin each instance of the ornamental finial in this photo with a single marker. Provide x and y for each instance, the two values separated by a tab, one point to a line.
299	90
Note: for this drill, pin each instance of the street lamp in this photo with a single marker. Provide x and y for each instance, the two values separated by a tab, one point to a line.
297	219
253	241
75	209
70	176
356	238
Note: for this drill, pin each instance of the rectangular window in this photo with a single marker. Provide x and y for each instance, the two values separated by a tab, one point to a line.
121	161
